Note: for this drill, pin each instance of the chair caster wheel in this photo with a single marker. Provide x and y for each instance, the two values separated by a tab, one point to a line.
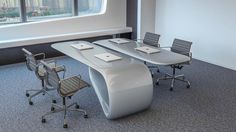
54	101
31	103
188	86
157	83
85	116
77	106
171	89
65	126
52	108
27	95
43	120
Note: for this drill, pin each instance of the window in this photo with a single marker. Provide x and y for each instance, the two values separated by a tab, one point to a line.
89	6
15	11
46	9
9	11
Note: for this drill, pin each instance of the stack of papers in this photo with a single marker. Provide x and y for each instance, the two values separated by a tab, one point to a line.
119	41
148	50
107	57
82	46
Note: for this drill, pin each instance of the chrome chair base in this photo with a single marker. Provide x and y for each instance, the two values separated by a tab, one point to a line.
55	108
39	91
174	77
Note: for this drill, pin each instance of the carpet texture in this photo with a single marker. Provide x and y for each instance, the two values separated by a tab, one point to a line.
210	104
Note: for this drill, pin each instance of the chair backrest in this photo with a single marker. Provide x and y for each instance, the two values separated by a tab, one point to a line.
52	79
31	62
151	39
181	46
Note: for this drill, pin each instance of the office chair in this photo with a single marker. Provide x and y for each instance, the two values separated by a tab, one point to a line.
181	47
32	63
152	39
65	88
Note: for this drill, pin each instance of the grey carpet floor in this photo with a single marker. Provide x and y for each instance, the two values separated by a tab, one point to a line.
210	104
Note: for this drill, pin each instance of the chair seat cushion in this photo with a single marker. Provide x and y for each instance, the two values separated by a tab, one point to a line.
71	85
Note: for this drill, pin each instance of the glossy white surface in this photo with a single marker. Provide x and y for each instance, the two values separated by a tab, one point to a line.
123	87
164	57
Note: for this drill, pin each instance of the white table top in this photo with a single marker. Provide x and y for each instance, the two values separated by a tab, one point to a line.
164	57
87	56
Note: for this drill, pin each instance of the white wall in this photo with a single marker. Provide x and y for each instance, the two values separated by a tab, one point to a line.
146	17
209	24
115	17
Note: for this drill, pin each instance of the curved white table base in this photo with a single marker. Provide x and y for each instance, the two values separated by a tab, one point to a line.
123	92
123	87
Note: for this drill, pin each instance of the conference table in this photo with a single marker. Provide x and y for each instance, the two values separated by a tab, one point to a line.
123	86
164	57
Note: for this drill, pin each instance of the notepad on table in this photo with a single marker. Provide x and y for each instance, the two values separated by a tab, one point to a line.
119	41
147	50
82	46
108	57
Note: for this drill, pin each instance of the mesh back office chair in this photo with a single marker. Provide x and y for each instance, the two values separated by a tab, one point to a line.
32	63
181	47
152	39
65	88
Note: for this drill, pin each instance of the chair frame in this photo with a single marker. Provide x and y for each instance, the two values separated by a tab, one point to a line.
173	77
55	108
44	90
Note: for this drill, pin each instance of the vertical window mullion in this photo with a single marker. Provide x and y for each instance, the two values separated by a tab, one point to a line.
75	8
23	11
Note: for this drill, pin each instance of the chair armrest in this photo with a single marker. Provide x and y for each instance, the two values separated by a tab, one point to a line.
64	79
189	54
40	56
138	39
166	47
51	62
61	68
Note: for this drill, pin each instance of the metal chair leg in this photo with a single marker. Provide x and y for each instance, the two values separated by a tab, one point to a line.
44	91
31	96
65	109
174	77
